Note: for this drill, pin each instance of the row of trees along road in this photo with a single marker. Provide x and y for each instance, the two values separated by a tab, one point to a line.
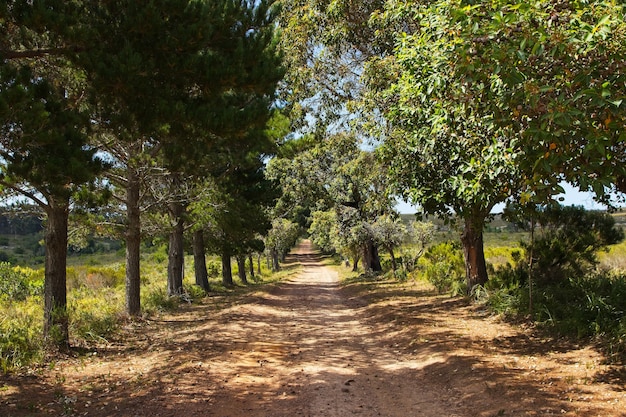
136	101
473	103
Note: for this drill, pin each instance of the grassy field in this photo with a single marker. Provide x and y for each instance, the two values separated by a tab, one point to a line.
96	298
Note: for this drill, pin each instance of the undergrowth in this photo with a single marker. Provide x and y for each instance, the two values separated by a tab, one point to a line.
589	307
95	302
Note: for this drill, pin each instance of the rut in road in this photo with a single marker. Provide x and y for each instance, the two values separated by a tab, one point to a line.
306	350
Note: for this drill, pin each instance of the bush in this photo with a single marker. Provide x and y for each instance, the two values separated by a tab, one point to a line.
158	300
568	242
444	267
582	307
14	283
214	268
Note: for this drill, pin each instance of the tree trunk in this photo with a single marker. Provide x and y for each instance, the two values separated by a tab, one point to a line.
175	252
133	244
241	268
227	271
258	264
394	266
355	263
199	261
275	261
251	260
473	252
55	291
371	260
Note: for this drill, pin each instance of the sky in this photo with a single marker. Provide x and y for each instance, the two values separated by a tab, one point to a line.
572	196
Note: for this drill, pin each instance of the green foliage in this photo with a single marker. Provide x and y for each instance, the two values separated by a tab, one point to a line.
94	315
568	241
580	307
213	268
444	267
20	334
13	284
321	230
17	283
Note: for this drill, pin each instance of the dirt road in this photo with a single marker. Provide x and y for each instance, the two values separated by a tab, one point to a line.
310	347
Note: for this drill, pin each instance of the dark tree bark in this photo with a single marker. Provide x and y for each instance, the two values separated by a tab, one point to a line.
241	268
473	251
133	244
355	264
227	270
55	291
199	261
175	251
371	260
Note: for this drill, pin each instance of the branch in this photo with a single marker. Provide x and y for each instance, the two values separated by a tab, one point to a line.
25	193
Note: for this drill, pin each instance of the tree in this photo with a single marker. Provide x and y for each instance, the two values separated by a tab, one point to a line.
446	151
46	157
507	99
321	230
280	239
390	233
211	98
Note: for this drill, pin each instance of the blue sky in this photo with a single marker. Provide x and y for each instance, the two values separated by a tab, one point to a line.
572	196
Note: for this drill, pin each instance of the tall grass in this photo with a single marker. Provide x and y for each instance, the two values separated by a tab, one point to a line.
96	300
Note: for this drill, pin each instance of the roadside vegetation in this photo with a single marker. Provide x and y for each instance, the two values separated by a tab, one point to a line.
578	284
96	299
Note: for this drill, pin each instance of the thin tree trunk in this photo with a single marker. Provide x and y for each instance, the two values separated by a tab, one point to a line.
199	261
258	264
56	331
275	262
227	270
241	268
530	267
394	266
133	244
251	260
473	251
175	252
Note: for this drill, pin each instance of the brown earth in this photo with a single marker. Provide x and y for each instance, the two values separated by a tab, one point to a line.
312	347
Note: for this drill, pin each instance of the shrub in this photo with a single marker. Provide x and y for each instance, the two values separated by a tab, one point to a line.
14	283
214	268
20	334
568	242
444	267
157	299
582	307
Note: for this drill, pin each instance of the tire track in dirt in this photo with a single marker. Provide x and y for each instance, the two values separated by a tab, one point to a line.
319	357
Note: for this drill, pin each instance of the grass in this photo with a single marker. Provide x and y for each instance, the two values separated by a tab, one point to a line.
96	299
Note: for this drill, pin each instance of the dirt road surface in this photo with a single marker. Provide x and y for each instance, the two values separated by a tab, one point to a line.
312	347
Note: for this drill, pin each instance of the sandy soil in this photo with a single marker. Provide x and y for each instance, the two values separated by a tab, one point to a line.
310	347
